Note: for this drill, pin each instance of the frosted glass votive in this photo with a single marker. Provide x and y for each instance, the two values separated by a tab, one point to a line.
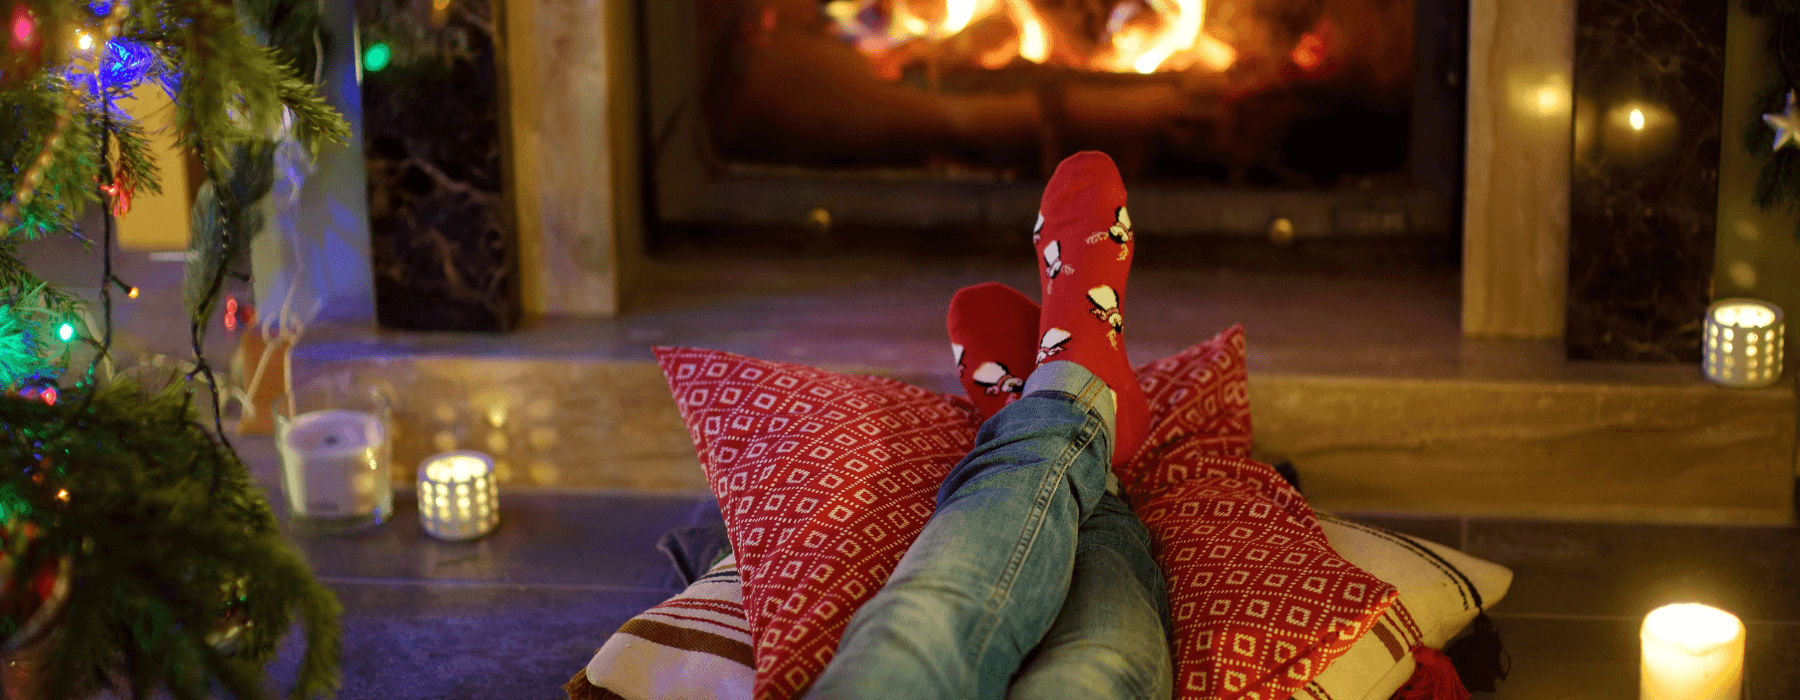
458	497
1744	343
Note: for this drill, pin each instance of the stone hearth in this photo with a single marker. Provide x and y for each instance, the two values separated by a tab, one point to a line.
1363	381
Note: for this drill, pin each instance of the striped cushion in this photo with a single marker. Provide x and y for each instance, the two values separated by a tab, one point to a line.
1441	591
694	645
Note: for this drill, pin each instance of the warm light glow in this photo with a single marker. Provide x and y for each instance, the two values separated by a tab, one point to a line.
1034	44
1549	100
23	29
1147	37
911	23
957	15
1637	119
1691	625
83	40
455	469
132	293
1214	54
1180	35
1743	316
1692	652
1309	53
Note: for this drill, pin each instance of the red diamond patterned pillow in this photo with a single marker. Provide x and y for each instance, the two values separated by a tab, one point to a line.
1199	405
824	479
1260	602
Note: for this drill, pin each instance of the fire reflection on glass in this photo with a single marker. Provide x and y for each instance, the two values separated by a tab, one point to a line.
1257	92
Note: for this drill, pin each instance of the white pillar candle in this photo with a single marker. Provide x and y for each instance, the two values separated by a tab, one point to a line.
333	462
458	499
1744	343
1692	652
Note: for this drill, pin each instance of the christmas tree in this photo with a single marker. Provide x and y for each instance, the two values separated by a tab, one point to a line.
136	553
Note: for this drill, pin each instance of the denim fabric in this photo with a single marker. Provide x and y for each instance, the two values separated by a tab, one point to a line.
1111	638
992	570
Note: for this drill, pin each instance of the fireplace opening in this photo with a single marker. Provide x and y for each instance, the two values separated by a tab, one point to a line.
1303	124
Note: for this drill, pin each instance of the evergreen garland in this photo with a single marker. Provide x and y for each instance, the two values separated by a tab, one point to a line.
1778	183
147	512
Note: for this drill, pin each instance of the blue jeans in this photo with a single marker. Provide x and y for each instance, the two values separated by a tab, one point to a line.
1030	581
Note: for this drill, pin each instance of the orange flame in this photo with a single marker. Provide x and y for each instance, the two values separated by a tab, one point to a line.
1172	38
1144	36
1034	44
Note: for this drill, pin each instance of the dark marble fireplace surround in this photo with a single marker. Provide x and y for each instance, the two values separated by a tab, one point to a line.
1642	220
1644	201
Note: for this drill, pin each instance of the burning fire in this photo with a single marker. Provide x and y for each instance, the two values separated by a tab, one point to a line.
1141	36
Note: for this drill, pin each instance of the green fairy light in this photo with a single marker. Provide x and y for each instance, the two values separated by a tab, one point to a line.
66	332
376	57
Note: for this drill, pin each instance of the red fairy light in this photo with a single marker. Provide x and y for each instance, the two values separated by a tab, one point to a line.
231	309
24	28
49	395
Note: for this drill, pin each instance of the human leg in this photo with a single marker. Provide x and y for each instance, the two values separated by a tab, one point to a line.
989	573
1110	640
987	576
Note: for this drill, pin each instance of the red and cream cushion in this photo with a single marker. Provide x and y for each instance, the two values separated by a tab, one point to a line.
824	480
1199	405
1260	602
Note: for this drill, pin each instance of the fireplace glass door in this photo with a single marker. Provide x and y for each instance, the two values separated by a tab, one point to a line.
1336	117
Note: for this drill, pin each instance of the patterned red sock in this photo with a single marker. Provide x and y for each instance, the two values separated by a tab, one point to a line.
1084	248
992	331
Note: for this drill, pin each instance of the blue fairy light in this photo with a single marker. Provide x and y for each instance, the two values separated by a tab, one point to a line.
127	63
100	8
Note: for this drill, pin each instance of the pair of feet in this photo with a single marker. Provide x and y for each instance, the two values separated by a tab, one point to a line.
1084	248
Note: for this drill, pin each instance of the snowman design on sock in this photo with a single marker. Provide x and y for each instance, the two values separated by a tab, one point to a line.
1119	232
1037	230
957	350
1054	341
995	379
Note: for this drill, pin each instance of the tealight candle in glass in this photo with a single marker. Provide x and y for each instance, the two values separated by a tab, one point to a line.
1744	343
458	499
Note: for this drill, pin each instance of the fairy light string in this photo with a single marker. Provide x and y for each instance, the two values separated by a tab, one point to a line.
34	173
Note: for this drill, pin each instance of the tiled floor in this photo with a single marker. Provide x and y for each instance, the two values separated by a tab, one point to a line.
514	615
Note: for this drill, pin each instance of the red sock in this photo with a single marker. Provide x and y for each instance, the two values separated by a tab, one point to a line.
992	329
1084	250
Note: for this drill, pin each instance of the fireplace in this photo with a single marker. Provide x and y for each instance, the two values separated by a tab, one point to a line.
1307	120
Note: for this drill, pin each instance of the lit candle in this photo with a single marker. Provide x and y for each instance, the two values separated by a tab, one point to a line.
458	499
1692	652
1744	343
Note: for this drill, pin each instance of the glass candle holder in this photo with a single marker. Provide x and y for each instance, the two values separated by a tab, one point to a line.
1744	343
335	439
458	499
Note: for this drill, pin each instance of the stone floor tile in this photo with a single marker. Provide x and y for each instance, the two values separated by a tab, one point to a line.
1628	570
1598	658
543	539
434	642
